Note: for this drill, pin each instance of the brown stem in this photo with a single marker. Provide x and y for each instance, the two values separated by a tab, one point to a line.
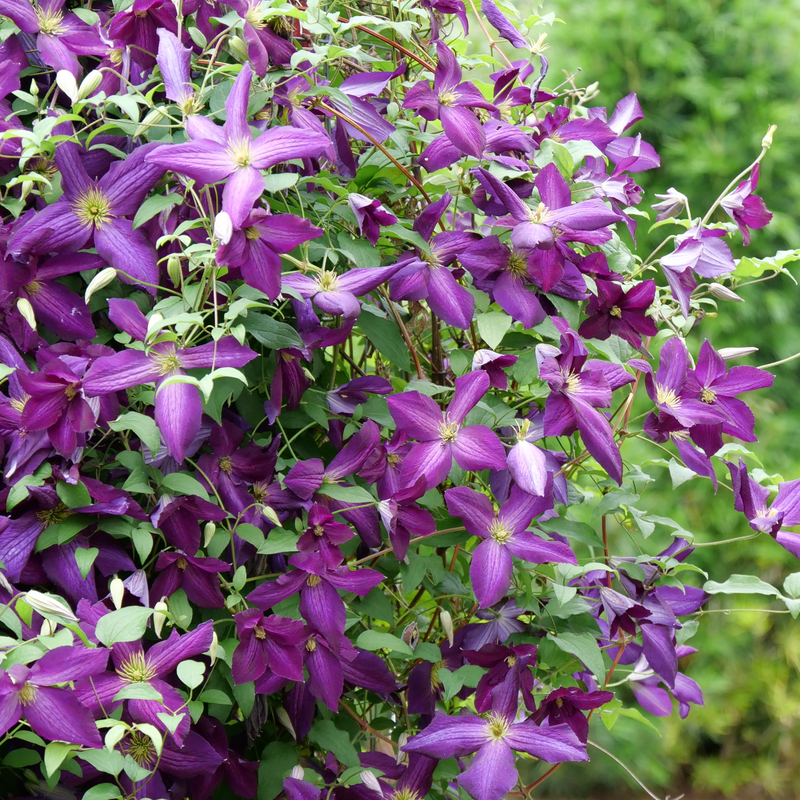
365	726
405	334
392	43
377	144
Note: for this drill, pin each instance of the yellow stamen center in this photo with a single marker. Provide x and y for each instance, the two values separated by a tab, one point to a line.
27	694
259	632
517	264
319	530
141	749
448	431
499	532
313	580
181	563
540	214
93	207
498	726
311	645
251	233
616	311
51	23
136	669
167	362
71	390
667	397
448	98
253	17
328	281
393	459
241	152
52	516
572	382
708	395
436	683
226	465
33	288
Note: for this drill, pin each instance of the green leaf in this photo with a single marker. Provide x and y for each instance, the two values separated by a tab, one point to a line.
21	757
347	494
215	696
741	584
141	690
792	585
359	251
278	541
386	338
271	333
251	534
104	760
155	205
493	326
579	531
191	673
584	646
329	737
375	640
277	761
184	483
280	181
73	496
125	625
143	426
84	558
104	791
54	755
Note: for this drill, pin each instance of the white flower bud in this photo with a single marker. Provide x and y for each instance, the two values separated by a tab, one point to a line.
65	81
34	88
117	591
766	142
724	293
209	529
48	628
153	324
298	773
371	782
272	515
223	227
159	616
402	741
100	281
89	84
26	310
447	625
212	651
729	353
153	118
47	604
284	720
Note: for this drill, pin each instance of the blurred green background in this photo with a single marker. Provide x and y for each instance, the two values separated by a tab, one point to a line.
711	77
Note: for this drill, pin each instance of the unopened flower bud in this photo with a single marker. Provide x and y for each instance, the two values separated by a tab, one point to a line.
26	310
402	741
298	773
209	529
447	625
724	293
65	81
153	118
175	270
239	47
153	324
26	187
284	720
90	84
212	651
411	635
34	88
272	515
47	604
223	227
729	353
100	281
159	616
766	142
48	628
117	591
371	782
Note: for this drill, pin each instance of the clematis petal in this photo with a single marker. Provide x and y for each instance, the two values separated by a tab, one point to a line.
491	773
57	715
242	189
429	460
416	414
179	410
474	508
449	737
490	572
477	448
129	251
554	744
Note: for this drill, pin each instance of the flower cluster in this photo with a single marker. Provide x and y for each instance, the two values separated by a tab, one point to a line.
318	360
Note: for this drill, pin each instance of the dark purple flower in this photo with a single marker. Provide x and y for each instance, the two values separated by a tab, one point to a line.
230	152
567	704
138	25
346	398
263	43
613	311
179	519
450	101
267	643
504	534
324	535
492	772
508	676
746	209
442	436
93	214
502	24
370	215
198	577
256	248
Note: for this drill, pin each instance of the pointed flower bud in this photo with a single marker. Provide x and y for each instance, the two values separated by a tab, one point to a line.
90	84
153	118
223	227
272	515
117	591
174	269
26	309
298	773
447	625
371	782
47	604
48	628
159	616
766	142
65	81
100	281
212	651
283	718
724	293
209	529
729	353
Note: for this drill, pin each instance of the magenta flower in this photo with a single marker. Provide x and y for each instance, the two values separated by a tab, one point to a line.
256	248
450	101
93	214
267	643
55	714
442	435
492	772
746	209
215	154
174	61
504	535
179	407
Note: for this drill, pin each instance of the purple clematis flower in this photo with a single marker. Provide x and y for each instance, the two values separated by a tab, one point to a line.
174	61
138	26
179	519
346	398
198	577
556	216
508	676
338	294
55	714
317	583
442	436
751	498
267	643
503	25
450	101
256	248
746	209
492	773
93	214
504	534
613	311
567	704
60	38
500	624
263	43
370	215
494	365
133	665
178	406
324	535
230	152
578	388
427	276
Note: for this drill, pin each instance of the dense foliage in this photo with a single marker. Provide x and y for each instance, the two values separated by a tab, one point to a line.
329	372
